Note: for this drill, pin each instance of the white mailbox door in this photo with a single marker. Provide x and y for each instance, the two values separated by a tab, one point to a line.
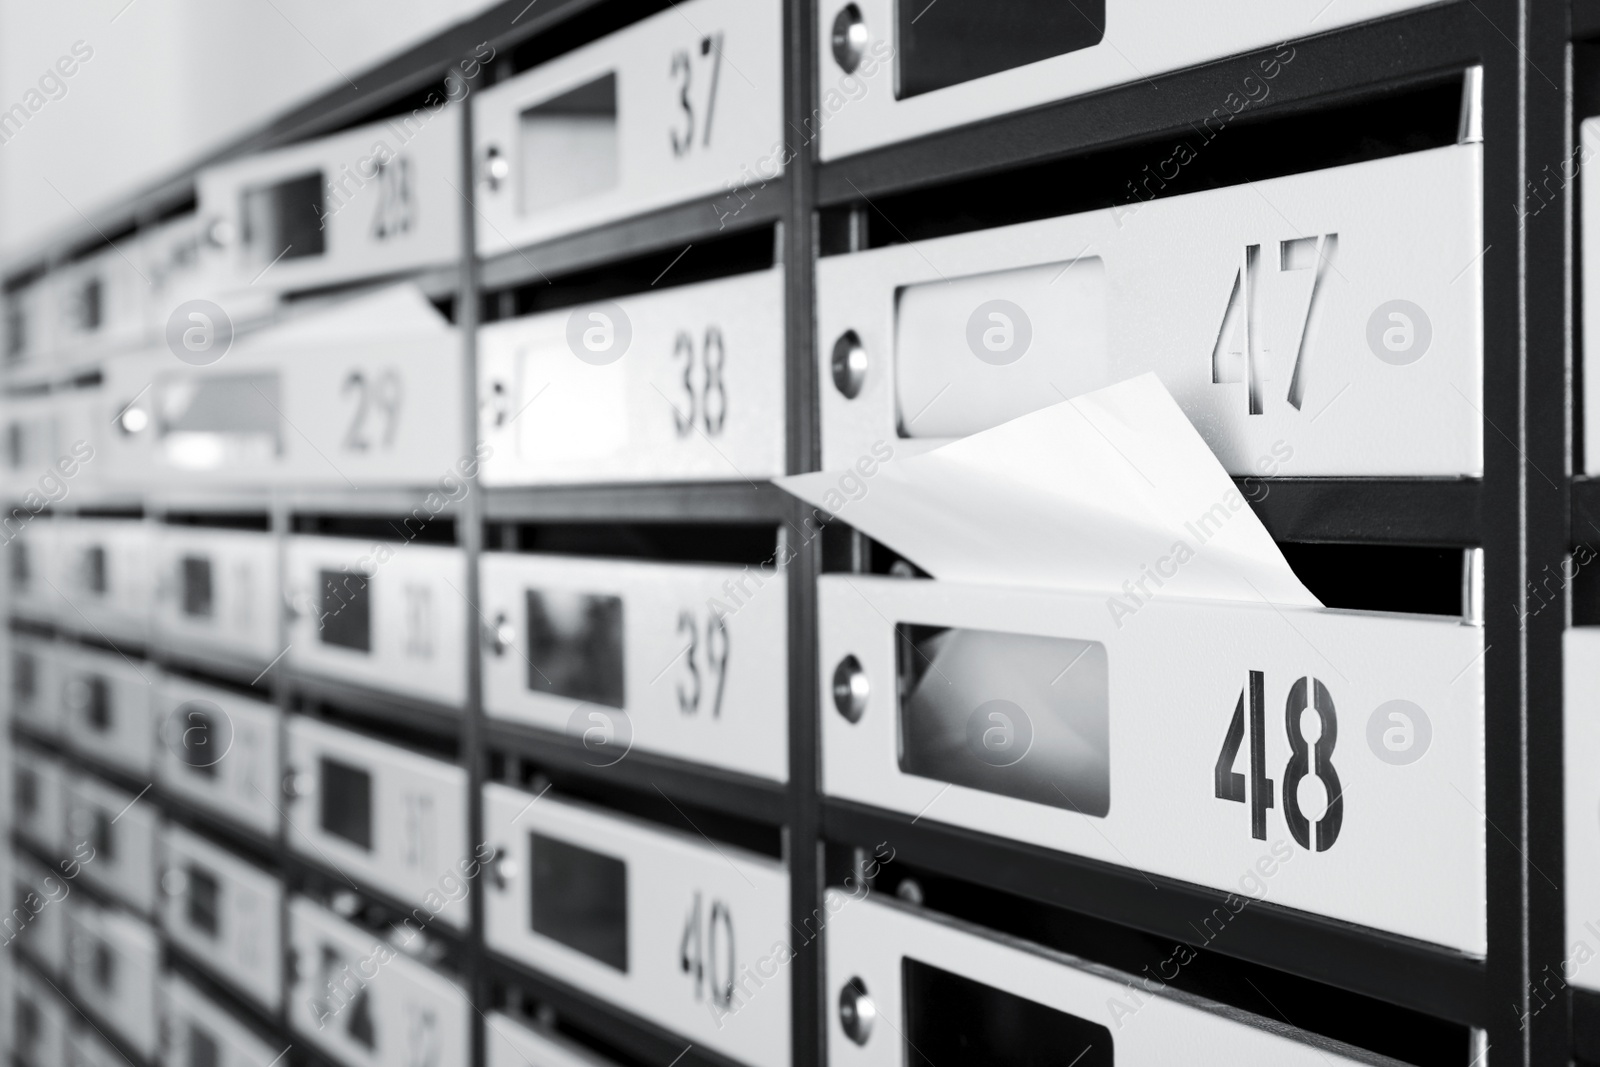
927	979
891	70
391	616
686	384
224	911
359	998
691	936
106	701
102	567
217	589
203	1032
381	813
685	104
219	750
120	830
355	394
1348	342
1198	740
365	203
686	660
115	960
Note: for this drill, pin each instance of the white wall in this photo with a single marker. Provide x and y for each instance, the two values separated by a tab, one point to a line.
168	80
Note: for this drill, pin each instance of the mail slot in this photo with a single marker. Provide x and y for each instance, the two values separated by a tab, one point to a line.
102	567
901	980
686	660
99	304
218	749
392	616
38	798
39	1020
199	1031
225	912
365	1001
372	201
891	70
119	829
395	818
33	666
217	591
1045	717
114	963
675	385
511	1044
690	935
106	705
686	104
358	393
1350	343
37	916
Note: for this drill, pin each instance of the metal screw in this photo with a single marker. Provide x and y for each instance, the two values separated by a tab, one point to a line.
850	38
856	1011
849	364
850	689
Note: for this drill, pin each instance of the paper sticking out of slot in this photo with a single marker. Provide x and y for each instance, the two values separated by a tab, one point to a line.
1110	492
402	310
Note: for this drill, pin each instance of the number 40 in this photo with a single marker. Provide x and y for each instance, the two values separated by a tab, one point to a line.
1257	789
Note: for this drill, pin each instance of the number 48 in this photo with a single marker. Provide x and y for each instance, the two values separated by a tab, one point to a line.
1257	789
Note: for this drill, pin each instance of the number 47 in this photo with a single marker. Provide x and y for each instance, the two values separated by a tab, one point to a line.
1257	790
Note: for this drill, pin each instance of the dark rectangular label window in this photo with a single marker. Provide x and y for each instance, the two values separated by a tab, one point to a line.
90	305
567	147
198	599
105	967
346	610
283	220
203	1049
98	695
575	646
580	898
104	837
27	793
202	899
24	677
94	569
346	794
1020	715
953	1021
953	41
20	569
220	420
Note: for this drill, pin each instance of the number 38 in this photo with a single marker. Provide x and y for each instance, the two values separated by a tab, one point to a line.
1306	693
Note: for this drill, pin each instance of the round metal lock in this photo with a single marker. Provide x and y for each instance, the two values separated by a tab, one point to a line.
496	168
856	1011
850	689
503	869
174	882
296	784
910	891
501	635
850	38
849	364
219	234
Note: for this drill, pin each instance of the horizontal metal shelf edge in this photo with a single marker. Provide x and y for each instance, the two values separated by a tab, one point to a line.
685	223
741	795
727	502
214	662
99	895
638	1037
261	1021
375	706
1409	511
1369	56
1412	974
84	1008
302	871
243	841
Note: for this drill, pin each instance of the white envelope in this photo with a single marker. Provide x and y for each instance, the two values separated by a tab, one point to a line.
1109	490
